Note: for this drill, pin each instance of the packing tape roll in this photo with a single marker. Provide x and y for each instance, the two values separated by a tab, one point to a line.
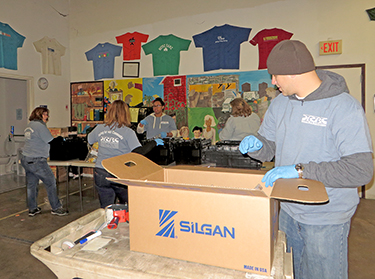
67	245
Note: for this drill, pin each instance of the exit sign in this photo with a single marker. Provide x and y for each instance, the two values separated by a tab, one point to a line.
330	47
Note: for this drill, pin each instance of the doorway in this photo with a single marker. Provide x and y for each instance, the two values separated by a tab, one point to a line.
16	101
355	77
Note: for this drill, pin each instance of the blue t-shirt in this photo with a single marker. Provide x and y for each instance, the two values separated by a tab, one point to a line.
103	58
112	142
10	40
37	137
221	46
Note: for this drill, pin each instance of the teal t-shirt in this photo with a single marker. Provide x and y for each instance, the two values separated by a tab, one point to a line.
165	51
10	41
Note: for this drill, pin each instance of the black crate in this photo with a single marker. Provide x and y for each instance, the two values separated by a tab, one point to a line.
161	154
227	154
68	149
189	152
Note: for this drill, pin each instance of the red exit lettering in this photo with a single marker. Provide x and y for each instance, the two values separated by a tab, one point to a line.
330	47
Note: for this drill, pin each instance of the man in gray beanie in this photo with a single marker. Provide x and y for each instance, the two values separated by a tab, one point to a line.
314	130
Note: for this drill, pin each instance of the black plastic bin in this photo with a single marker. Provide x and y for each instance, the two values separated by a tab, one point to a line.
227	154
161	154
189	152
68	149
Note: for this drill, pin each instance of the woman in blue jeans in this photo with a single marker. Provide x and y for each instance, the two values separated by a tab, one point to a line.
34	160
115	138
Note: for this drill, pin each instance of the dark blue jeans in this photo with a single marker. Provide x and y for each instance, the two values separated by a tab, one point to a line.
107	190
37	169
319	251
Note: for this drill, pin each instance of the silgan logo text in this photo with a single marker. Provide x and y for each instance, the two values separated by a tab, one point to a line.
168	228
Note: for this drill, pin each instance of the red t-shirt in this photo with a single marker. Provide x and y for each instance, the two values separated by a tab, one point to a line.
131	43
266	40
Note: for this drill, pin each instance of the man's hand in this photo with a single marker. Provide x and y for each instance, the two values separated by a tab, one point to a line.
279	172
142	123
250	144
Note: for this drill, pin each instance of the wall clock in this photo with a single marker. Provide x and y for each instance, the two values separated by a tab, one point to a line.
43	83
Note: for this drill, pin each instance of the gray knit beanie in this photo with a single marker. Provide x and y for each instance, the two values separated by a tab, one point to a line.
290	57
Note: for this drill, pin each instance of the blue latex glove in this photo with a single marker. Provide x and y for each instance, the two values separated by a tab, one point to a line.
279	172
250	144
143	122
159	142
163	134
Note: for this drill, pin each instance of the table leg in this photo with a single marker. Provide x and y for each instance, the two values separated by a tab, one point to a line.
67	188
80	187
57	180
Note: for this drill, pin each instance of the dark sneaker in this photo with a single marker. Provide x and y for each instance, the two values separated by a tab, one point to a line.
59	212
35	212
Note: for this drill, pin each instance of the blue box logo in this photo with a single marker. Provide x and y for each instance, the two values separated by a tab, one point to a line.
166	223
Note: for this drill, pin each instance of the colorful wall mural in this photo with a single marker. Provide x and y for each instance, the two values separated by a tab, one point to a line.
195	100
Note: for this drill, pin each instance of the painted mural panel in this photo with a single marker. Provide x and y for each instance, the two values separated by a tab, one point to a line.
216	91
195	100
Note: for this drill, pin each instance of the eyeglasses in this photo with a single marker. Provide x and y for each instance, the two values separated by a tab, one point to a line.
155	106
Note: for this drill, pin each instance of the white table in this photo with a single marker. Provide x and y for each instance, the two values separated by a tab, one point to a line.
115	260
72	163
81	164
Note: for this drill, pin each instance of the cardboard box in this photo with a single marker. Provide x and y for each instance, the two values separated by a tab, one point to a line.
63	132
215	216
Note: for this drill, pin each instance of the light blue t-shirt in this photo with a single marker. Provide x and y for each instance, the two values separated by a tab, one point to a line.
237	128
112	142
37	137
103	57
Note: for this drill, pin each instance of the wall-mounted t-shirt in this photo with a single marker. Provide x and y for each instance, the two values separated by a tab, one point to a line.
266	40
221	46
10	40
103	58
131	43
165	51
51	51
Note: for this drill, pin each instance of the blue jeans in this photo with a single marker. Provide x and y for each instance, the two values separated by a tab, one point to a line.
318	251
109	191
37	169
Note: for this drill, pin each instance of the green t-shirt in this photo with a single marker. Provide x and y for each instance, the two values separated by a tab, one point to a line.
165	51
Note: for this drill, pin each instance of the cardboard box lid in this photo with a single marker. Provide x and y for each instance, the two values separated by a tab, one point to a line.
142	172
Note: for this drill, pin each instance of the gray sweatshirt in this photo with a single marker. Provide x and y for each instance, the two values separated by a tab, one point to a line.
328	133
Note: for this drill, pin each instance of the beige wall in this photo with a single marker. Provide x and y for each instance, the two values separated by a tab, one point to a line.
311	21
90	22
34	20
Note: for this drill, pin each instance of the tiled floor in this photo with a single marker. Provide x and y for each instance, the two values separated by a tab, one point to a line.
18	231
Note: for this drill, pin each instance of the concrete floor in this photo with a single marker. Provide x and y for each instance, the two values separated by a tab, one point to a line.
18	231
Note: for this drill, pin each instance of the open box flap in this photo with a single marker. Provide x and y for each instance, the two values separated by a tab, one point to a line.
143	172
131	166
300	190
191	187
